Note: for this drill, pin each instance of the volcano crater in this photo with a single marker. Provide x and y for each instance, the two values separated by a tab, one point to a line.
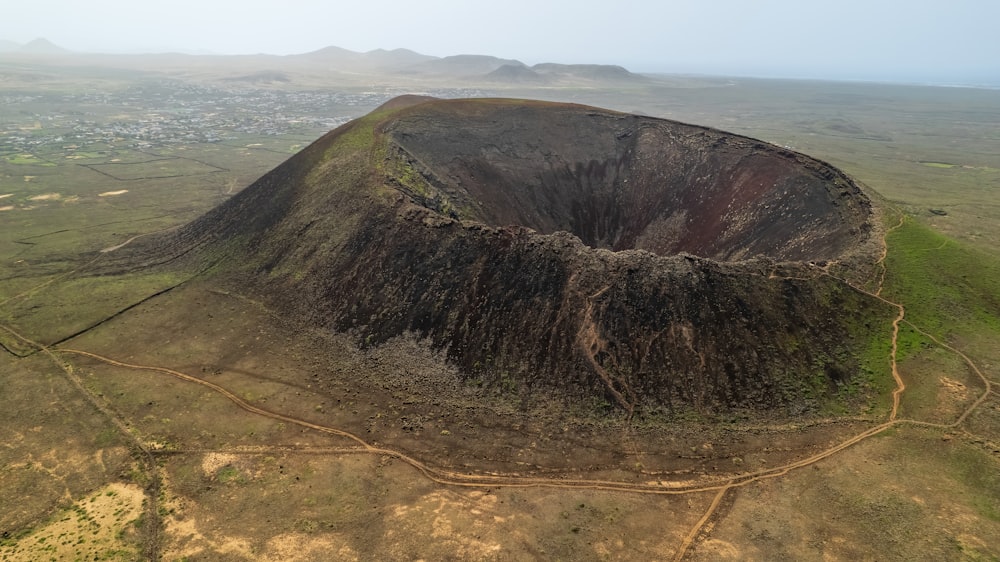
568	253
624	182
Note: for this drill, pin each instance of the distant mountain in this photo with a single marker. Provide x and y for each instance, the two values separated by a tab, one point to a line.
514	74
43	47
396	57
598	72
330	62
475	67
331	53
551	73
465	65
379	59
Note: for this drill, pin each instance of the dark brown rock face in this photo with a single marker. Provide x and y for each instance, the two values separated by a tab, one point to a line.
550	248
627	182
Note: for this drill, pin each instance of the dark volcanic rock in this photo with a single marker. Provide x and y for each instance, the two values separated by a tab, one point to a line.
622	182
599	256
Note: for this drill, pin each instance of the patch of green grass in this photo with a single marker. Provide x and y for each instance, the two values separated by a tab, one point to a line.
874	382
229	474
947	287
155	169
358	134
56	311
28	159
938	164
910	342
414	183
977	470
77	155
107	438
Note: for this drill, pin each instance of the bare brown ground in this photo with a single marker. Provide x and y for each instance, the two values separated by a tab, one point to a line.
92	529
288	466
886	498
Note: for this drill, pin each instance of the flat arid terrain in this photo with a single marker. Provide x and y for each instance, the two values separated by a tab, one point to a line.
180	411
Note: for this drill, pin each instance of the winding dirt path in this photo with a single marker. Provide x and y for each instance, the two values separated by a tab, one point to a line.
460	479
151	530
452	478
897	392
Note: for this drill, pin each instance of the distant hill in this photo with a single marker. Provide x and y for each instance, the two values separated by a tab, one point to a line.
333	63
330	53
514	74
549	73
396	57
465	65
378	59
43	47
599	72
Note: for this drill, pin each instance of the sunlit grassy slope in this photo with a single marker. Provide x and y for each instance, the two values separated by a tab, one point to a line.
949	289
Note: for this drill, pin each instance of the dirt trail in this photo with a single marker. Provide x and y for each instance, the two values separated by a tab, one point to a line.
59	277
897	393
452	478
76	270
591	343
987	383
693	534
136	237
142	453
880	263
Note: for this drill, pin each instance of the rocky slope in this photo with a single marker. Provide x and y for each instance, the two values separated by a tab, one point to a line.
636	263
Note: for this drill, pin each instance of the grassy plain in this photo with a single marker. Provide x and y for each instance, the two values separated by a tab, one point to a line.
231	484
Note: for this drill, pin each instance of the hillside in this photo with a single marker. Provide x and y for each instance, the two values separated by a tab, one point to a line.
326	65
567	250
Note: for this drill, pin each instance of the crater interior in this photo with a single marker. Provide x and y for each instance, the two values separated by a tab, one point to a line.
620	182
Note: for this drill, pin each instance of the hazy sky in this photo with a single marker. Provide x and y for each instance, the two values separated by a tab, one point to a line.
910	40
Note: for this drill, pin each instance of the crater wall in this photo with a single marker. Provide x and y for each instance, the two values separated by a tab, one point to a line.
566	252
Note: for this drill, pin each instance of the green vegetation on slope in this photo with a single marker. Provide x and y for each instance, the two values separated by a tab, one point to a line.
948	288
874	382
360	133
